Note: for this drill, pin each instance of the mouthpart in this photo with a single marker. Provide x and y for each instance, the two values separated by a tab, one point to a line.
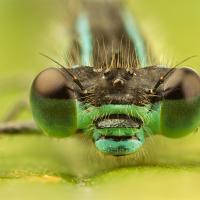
118	145
118	134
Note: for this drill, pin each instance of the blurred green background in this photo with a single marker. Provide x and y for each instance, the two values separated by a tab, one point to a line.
44	168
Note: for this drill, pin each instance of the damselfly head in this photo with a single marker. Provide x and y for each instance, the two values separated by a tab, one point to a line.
121	103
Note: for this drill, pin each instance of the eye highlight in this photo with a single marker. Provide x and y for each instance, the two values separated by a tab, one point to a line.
53	84
182	84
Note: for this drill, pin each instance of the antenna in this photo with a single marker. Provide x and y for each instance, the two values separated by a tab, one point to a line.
162	79
75	79
184	60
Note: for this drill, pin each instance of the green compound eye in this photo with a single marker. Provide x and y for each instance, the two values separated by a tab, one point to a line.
53	103
181	106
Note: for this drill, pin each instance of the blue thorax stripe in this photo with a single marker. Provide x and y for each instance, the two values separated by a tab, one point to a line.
135	36
85	37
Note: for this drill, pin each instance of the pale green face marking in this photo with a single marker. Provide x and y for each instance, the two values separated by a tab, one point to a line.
116	140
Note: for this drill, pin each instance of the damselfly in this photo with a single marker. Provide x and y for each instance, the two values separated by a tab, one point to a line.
111	93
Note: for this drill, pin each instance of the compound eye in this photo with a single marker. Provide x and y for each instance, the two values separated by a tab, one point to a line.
53	84
53	103
182	84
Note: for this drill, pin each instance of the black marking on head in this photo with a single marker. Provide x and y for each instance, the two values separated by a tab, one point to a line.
119	86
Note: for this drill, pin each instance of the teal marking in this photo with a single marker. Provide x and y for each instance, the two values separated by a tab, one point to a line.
137	39
122	147
118	148
83	29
